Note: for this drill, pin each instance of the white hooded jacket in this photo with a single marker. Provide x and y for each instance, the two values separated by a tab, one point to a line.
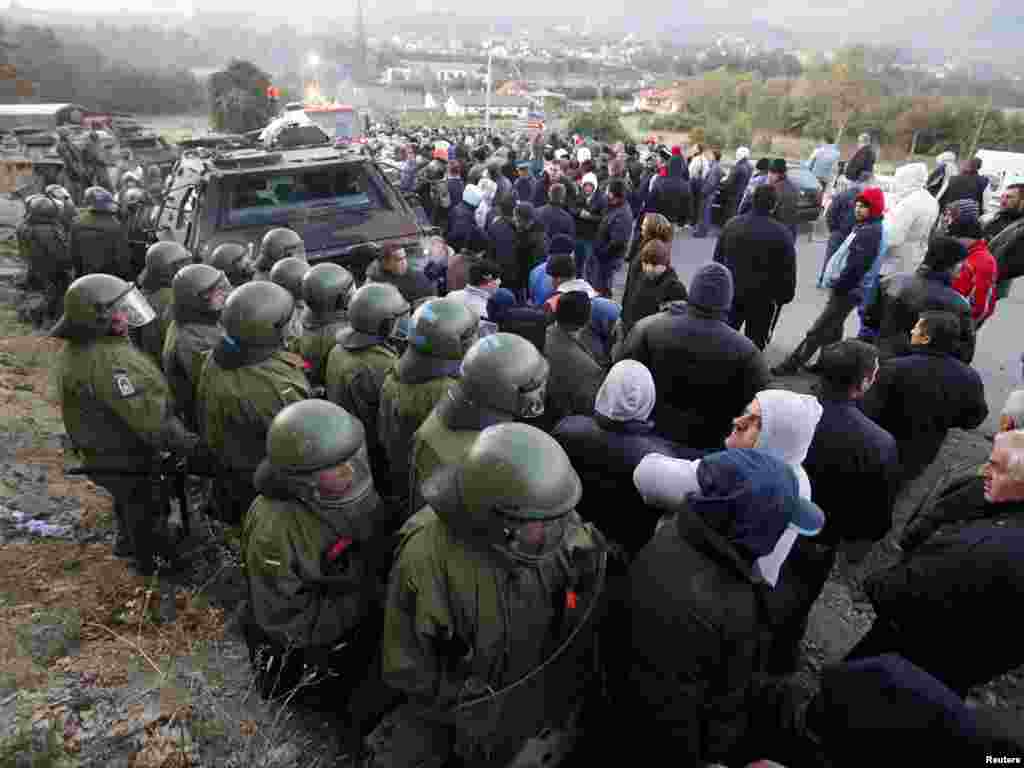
909	223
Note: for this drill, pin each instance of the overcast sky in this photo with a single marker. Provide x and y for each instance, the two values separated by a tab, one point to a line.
932	23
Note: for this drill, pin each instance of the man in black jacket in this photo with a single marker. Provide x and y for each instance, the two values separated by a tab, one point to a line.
759	252
1005	237
612	239
919	397
786	193
847	291
705	371
554	217
670	195
903	297
933	608
863	160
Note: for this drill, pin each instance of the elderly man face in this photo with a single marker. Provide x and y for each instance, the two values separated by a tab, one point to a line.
1004	471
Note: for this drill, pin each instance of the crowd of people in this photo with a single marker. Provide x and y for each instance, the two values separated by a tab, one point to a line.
490	500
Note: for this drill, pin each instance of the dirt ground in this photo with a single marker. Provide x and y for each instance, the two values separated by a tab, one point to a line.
101	667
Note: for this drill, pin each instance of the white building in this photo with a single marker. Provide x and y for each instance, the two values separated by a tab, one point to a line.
476	105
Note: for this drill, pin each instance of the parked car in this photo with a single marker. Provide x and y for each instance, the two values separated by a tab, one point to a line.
809	203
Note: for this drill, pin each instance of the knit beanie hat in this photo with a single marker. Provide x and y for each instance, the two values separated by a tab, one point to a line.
573	309
711	288
875	199
589	178
944	253
561	265
561	244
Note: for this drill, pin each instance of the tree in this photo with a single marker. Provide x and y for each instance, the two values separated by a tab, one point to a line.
238	97
601	123
847	87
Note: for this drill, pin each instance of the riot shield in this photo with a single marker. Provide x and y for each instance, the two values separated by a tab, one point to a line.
532	720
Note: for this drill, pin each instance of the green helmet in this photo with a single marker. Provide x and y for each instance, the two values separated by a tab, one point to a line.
443	328
163	260
505	372
195	292
91	301
377	312
514	489
313	434
258	313
288	273
40	209
327	288
233	260
277	244
131	197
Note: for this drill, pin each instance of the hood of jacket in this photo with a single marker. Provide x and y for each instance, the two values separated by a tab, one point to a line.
627	393
908	178
788	422
675	167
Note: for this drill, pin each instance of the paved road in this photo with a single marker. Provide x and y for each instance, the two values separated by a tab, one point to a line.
999	348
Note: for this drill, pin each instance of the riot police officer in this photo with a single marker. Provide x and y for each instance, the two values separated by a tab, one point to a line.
326	291
98	243
233	260
116	408
503	378
442	331
243	384
163	261
43	246
200	292
288	273
496	579
312	546
66	206
365	353
134	207
279	243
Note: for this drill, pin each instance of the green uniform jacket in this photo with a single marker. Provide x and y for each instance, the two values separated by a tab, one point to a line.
354	379
456	611
315	346
115	402
234	406
44	248
403	409
98	244
183	360
296	595
434	446
152	336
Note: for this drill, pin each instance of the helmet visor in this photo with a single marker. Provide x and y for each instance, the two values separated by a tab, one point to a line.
134	308
217	294
532	538
531	400
401	330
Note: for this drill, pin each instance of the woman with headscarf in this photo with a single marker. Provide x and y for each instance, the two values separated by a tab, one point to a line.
694	621
606	447
483	215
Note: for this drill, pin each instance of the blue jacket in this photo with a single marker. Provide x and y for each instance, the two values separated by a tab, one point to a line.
613	234
861	257
540	285
712	180
463	233
738	179
822	162
747	203
556	221
501	248
524	189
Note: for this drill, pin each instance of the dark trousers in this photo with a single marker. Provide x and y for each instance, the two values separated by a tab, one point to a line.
827	329
758	314
141	509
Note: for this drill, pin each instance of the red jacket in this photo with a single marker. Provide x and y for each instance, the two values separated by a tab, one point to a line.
977	280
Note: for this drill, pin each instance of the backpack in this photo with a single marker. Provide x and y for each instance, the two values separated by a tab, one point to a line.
836	264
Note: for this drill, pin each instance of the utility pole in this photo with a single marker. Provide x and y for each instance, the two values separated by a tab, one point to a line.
487	102
360	43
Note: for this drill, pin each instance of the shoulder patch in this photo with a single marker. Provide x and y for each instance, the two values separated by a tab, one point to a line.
123	386
293	360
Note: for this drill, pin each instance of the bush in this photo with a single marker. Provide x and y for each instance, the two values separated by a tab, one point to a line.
680	121
764	144
600	124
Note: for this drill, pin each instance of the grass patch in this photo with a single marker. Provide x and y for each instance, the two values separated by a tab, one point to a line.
43	746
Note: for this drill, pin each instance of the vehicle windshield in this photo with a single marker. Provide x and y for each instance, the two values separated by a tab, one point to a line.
266	198
337	125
